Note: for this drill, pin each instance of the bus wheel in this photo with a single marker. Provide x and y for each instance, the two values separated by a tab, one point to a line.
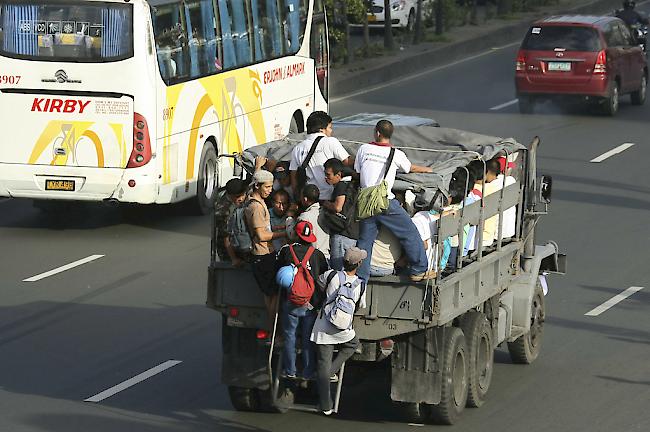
454	378
206	190
526	348
244	399
481	356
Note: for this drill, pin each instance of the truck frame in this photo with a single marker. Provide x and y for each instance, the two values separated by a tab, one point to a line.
439	336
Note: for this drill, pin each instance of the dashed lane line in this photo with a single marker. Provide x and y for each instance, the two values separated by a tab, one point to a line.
63	268
133	381
503	105
612	152
613	301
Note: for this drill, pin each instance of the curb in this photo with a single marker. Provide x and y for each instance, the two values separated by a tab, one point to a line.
449	53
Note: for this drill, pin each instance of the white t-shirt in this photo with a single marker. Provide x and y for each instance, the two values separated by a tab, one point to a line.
370	162
313	215
324	333
510	214
427	225
328	148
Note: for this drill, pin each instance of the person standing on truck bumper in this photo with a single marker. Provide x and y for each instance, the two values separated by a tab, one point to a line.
370	163
327	337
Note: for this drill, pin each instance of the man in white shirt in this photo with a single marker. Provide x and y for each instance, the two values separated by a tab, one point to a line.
319	124
370	163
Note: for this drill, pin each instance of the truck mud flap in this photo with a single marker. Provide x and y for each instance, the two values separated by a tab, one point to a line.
415	367
244	359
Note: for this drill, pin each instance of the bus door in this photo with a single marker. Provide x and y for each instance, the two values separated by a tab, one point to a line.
319	50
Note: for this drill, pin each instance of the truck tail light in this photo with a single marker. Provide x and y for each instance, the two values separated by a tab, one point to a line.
141	153
262	334
520	66
601	63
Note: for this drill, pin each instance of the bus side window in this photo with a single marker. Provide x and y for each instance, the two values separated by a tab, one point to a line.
171	42
266	29
202	39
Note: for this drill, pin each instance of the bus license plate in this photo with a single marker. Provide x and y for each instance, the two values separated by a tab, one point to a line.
60	185
559	66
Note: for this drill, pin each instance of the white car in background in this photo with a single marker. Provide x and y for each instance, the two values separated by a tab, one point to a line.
402	14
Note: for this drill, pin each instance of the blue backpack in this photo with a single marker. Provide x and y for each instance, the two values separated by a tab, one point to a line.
340	306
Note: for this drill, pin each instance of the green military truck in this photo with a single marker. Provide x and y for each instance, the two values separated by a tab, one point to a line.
438	336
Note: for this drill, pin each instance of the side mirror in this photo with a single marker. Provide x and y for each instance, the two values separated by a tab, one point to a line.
545	189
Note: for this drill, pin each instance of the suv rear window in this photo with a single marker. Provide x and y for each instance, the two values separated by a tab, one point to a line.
67	31
571	38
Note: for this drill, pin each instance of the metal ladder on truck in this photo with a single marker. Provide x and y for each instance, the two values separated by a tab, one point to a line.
275	380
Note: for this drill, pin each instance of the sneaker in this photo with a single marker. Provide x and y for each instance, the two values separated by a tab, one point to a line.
291	376
423	276
328	412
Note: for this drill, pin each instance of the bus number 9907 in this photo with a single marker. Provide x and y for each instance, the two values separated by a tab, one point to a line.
9	79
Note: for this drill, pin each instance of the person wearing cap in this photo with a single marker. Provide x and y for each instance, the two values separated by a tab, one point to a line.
319	124
294	317
327	337
233	197
370	163
258	220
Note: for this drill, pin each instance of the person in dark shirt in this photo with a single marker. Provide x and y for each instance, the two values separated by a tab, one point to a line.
234	197
293	316
631	16
342	205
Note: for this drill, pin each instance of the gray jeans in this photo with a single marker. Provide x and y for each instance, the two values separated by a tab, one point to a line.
326	367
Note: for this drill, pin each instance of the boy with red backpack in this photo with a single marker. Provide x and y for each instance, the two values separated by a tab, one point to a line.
300	266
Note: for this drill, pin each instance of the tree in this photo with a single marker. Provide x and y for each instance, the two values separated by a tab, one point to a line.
366	28
389	43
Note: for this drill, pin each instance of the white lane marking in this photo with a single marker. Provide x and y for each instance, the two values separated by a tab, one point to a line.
503	105
613	301
62	268
419	74
612	152
133	381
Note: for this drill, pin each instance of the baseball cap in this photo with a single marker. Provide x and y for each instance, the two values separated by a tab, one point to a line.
503	163
281	170
354	255
305	231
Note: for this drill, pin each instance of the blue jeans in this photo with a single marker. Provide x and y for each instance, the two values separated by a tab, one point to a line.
338	245
293	317
380	271
399	223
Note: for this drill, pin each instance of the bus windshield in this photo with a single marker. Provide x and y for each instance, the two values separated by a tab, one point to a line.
69	31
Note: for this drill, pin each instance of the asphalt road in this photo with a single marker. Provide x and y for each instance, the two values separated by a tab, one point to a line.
70	336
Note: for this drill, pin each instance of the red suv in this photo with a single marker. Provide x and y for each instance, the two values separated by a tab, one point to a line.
590	58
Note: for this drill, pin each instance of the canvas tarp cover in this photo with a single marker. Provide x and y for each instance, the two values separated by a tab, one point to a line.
442	149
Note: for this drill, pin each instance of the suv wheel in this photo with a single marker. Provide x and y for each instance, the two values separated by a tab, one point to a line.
611	102
638	97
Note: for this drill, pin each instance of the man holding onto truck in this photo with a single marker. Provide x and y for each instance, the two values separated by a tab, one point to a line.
370	163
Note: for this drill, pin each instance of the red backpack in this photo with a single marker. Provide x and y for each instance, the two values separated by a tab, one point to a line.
302	287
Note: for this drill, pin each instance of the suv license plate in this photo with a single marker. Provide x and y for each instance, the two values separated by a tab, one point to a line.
372	18
559	66
60	185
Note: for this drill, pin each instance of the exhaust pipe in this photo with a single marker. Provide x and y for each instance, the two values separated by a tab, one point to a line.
111	202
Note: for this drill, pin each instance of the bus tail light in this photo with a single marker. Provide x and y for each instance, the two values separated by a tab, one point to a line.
141	153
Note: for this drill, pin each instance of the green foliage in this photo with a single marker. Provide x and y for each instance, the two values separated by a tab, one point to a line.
337	21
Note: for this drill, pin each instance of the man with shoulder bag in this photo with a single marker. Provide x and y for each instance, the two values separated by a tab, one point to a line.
339	215
377	163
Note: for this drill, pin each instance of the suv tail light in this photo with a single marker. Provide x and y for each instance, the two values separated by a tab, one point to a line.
601	63
521	62
141	153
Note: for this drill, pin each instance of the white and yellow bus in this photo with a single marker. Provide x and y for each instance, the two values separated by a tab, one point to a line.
135	101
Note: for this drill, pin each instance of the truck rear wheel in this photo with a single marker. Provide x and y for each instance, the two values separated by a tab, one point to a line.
480	350
526	348
454	378
244	399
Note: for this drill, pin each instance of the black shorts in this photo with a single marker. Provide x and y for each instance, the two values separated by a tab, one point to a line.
264	270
